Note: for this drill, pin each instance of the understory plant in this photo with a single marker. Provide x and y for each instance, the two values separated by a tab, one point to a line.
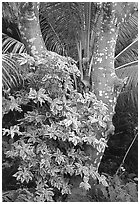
47	141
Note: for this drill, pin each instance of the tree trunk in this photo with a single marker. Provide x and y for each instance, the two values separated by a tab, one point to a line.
105	83
29	27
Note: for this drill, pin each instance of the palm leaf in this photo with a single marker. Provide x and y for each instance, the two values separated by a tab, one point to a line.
70	23
10	45
128	32
130	50
52	37
129	70
60	26
11	76
126	59
11	70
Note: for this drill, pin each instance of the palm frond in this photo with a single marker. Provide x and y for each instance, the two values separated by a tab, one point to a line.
126	59
132	46
128	33
11	76
127	64
51	38
128	97
131	71
69	23
10	45
58	25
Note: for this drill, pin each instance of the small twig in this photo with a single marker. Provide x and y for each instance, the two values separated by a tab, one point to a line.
126	153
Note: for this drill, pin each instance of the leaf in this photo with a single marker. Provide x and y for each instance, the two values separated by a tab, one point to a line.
12	131
67	122
32	94
60	158
93	119
68	24
14	104
70	169
66	190
101	144
86	178
23	175
11	45
103	181
102	123
85	185
86	173
126	59
11	73
75	140
42	97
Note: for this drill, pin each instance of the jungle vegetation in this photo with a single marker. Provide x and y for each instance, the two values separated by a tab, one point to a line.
69	97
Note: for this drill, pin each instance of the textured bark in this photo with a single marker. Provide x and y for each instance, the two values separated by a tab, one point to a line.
105	83
29	28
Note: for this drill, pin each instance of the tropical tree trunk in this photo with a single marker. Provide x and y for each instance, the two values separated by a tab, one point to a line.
29	27
105	83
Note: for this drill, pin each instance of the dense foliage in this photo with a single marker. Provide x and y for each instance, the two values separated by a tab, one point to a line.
46	143
45	127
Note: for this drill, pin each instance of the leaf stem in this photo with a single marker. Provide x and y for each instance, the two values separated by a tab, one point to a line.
135	41
128	64
126	153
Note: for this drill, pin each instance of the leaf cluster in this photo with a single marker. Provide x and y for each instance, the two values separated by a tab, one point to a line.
48	140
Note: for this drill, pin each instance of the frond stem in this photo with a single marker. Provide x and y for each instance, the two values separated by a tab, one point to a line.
126	48
127	153
125	65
